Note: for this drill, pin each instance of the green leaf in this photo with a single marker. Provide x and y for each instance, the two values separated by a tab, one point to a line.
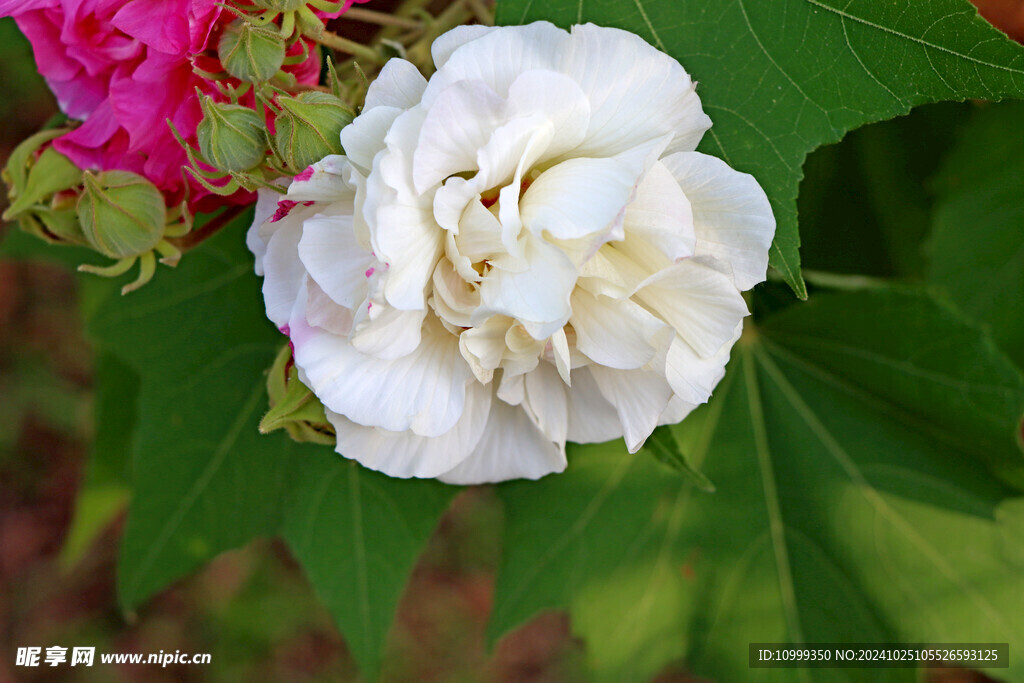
105	489
663	446
358	534
781	78
205	480
977	241
846	509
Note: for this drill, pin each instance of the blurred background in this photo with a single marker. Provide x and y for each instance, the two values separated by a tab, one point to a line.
252	609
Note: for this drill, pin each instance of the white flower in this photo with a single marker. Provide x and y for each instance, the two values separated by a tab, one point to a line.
522	251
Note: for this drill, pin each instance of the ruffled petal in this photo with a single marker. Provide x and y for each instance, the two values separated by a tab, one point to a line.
700	302
639	397
283	273
498	61
407	454
659	222
732	216
460	122
661	96
364	137
545	402
448	42
592	419
616	333
404	234
399	84
424	391
511	448
693	377
324	181
334	259
389	333
538	297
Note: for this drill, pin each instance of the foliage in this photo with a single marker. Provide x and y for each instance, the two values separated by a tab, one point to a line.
782	78
864	447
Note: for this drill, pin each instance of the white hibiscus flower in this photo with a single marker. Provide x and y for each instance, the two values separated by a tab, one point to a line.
522	251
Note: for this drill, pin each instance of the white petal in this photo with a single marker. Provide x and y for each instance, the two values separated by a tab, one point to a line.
324	181
659	222
424	391
692	377
639	397
403	231
616	333
559	99
612	273
561	355
700	302
541	132
512	388
266	205
399	84
498	57
388	333
732	216
335	260
460	122
479	233
592	419
661	97
283	272
483	346
442	48
511	448
546	403
406	454
454	300
676	410
538	297
364	137
323	312
578	197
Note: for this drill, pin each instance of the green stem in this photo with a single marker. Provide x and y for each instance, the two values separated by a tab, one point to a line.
370	16
336	42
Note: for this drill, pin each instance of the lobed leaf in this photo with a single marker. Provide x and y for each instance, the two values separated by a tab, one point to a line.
781	78
847	509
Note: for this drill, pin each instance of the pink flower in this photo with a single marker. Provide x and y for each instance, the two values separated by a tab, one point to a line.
124	67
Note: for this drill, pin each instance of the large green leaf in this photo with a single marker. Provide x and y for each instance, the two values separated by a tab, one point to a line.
205	480
977	243
781	78
106	486
847	508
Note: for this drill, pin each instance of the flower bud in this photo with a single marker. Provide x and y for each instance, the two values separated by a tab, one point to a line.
230	136
122	214
38	184
250	53
293	407
308	128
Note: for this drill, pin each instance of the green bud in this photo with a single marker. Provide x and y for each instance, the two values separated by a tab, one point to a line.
39	186
308	23
293	407
280	5
250	53
231	136
54	225
122	214
33	178
308	128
